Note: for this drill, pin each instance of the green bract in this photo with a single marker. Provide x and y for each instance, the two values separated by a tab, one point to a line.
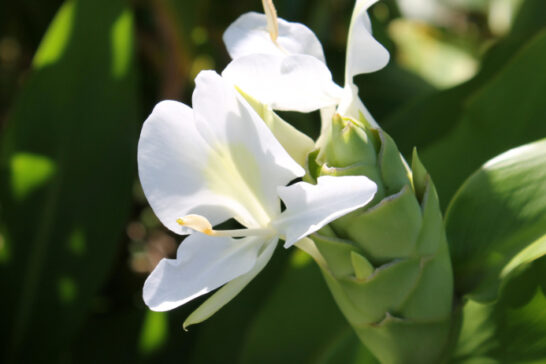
387	264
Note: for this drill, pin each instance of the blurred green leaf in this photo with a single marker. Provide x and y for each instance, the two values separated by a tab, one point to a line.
532	252
112	337
422	49
511	329
57	37
458	129
29	171
497	221
505	112
67	165
300	323
390	89
227	328
154	331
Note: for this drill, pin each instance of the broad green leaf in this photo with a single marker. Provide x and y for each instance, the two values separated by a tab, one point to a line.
497	220
511	329
67	165
532	252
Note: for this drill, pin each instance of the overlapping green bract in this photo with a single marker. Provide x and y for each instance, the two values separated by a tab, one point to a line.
388	264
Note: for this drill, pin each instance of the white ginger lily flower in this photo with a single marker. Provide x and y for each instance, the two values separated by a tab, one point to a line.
270	51
276	61
219	161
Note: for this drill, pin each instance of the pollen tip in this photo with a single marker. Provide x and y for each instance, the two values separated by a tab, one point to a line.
197	223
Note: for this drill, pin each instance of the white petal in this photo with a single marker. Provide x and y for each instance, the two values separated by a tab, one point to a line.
202	264
296	143
292	82
231	289
310	207
248	35
364	53
247	163
352	106
171	155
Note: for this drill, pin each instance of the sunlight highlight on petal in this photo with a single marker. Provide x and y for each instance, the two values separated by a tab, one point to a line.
203	263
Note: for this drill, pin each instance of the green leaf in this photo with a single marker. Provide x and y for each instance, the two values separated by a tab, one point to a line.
394	170
362	266
300	323
388	89
238	315
410	342
511	329
419	176
346	348
497	220
457	130
508	111
380	238
67	165
532	252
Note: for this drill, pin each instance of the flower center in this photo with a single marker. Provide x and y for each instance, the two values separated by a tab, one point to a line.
231	173
201	224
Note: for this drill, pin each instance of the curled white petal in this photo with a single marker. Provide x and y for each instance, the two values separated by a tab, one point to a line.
231	289
248	35
364	53
171	156
292	82
219	161
310	207
202	264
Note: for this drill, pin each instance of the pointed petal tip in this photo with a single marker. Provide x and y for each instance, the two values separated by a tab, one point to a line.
185	325
202	264
229	291
364	53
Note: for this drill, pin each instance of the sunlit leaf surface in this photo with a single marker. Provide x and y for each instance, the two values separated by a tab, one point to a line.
67	166
497	220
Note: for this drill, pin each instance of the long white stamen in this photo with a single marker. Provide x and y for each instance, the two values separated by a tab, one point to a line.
201	224
239	233
271	16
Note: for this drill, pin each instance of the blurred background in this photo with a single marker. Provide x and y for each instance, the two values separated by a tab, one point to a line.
466	81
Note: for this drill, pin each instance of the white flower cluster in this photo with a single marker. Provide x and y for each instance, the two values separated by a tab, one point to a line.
221	160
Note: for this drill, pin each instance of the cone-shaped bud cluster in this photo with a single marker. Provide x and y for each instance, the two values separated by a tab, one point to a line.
387	265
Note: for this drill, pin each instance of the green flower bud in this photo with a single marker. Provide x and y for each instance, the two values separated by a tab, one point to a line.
387	265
